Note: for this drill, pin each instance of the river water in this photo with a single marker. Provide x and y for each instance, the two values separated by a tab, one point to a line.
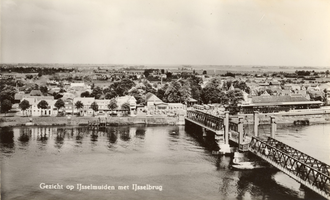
166	161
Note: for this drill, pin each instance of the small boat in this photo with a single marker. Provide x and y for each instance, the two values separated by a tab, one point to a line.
244	165
238	163
247	165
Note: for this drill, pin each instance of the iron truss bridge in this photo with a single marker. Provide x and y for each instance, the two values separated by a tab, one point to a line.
208	120
305	169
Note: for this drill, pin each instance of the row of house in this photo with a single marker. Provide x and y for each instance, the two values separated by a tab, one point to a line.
70	107
153	106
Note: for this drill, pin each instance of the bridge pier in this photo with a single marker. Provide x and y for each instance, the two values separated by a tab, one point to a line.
273	126
240	130
224	145
255	123
226	124
204	132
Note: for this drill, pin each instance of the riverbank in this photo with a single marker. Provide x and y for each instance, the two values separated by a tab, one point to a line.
281	118
81	121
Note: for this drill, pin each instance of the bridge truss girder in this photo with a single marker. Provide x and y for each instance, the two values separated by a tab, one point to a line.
312	162
297	169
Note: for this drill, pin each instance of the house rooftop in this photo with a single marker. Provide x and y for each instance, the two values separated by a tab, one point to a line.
277	99
35	93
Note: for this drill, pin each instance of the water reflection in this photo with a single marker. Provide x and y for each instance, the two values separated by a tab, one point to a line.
59	138
125	134
7	140
25	135
140	132
180	161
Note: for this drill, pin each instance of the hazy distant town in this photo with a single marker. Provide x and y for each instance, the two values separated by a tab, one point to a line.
118	90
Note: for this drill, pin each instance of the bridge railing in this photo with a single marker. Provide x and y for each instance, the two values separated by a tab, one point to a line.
309	160
206	119
302	172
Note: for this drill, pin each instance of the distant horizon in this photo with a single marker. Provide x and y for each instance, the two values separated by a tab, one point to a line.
221	68
183	65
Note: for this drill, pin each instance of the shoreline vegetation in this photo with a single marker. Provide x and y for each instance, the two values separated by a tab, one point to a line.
150	120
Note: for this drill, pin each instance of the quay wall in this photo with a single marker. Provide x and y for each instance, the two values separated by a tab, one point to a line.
76	121
281	118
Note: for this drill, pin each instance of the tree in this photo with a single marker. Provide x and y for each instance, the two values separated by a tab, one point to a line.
42	104
94	107
7	92
59	104
97	92
6	105
149	88
79	105
172	92
113	104
57	95
169	75
185	92
85	94
235	96
196	89
111	94
121	88
36	87
161	92
24	105
211	95
126	106
137	95
327	73
44	89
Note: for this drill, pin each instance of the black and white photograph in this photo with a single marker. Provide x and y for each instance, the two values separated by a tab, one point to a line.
165	99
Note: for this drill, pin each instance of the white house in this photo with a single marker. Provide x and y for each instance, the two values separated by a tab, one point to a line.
127	99
35	111
103	104
87	102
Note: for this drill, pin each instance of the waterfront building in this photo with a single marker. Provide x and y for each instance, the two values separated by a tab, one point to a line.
69	107
270	104
127	99
35	111
157	106
103	104
87	102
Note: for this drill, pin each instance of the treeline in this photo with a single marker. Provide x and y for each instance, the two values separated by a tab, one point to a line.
41	70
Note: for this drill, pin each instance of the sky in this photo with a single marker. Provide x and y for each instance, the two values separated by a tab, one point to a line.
174	32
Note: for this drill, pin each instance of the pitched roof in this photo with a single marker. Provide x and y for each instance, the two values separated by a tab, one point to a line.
18	96
85	100
35	93
150	97
273	99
